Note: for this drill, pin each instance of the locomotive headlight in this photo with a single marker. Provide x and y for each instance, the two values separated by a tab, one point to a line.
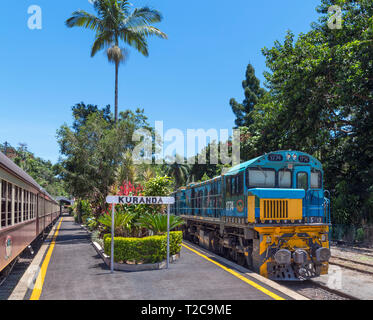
322	254
283	256
324	237
300	256
269	239
288	156
294	157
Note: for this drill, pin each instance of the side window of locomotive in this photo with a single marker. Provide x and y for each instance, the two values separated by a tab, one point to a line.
228	186
239	179
284	178
302	180
316	181
233	185
260	178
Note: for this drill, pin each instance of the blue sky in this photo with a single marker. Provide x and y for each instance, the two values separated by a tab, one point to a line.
186	81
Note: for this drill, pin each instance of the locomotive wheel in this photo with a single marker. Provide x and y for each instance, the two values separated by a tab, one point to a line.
241	260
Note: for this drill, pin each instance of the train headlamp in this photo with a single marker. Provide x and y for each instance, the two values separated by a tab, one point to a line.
324	237
322	254
269	239
300	256
294	157
288	156
283	256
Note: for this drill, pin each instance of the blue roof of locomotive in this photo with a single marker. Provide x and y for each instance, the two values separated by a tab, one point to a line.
266	163
263	161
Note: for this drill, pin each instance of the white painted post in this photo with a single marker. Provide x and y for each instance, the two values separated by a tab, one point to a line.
112	239
168	235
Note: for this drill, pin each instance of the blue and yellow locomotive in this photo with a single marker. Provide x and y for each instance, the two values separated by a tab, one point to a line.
268	213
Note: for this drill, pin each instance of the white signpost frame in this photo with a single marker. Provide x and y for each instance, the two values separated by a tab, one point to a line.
139	200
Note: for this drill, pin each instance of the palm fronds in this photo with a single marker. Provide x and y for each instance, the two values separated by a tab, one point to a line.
158	222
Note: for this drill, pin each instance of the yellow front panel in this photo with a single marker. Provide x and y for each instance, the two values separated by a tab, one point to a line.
281	209
251	209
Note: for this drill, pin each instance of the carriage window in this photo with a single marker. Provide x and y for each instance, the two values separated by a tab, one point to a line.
302	180
16	205
284	178
316	179
25	205
264	178
9	198
3	203
20	204
31	205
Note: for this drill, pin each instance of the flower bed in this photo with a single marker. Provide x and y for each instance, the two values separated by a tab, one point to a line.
150	249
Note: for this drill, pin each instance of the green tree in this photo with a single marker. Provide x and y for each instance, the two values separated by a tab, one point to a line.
321	102
253	92
93	151
179	170
114	23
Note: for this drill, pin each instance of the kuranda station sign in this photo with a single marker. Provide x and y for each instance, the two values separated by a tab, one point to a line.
140	200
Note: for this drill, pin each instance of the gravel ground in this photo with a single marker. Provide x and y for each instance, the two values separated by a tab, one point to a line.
353	254
311	290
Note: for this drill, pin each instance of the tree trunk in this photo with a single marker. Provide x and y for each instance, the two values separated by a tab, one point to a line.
116	91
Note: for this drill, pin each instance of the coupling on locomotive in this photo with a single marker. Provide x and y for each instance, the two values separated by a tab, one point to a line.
268	213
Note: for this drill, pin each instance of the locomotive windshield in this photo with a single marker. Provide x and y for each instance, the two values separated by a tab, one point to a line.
302	180
284	178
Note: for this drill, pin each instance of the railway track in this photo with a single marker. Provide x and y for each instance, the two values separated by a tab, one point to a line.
352	264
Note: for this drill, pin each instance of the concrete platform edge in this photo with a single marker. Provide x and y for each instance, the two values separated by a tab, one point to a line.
33	269
249	273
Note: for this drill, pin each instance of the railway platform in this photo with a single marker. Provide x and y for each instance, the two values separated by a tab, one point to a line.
71	269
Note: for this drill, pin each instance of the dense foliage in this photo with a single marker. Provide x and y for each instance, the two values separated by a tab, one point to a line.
320	101
42	171
157	223
94	148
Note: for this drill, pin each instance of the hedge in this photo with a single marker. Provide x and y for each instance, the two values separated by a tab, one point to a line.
143	250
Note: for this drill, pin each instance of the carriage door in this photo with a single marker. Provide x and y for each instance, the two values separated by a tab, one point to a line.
301	180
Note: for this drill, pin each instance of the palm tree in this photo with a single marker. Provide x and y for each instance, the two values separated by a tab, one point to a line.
178	169
115	22
126	171
157	223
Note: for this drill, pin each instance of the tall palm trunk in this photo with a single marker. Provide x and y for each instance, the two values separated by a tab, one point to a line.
116	90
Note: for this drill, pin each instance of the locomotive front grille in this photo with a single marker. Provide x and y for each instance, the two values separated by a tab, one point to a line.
280	209
276	209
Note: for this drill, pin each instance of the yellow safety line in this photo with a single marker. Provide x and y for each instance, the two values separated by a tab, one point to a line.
252	283
43	271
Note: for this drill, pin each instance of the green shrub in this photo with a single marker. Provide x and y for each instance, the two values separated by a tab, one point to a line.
143	250
360	234
158	222
122	222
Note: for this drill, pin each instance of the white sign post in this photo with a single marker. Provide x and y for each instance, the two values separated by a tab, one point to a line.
139	200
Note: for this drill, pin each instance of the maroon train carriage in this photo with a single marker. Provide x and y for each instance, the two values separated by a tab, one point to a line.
26	210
